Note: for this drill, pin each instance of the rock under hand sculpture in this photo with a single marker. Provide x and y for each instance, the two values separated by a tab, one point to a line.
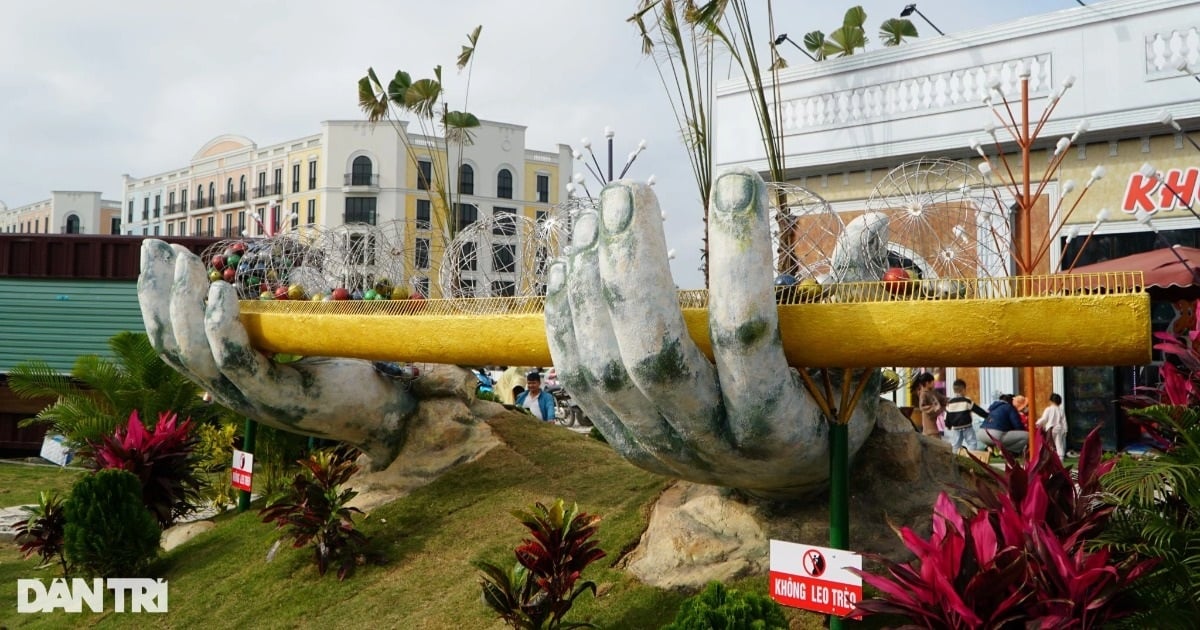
616	333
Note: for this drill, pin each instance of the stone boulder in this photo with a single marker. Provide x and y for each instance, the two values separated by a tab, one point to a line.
699	533
450	429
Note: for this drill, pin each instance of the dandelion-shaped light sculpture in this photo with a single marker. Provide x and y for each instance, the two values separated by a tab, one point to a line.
804	230
943	223
1026	189
501	255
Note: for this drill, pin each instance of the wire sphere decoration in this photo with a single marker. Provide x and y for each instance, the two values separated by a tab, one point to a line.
944	223
503	254
263	266
804	232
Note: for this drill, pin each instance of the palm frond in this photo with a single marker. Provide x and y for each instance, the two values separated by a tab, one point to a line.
894	31
36	379
464	57
371	97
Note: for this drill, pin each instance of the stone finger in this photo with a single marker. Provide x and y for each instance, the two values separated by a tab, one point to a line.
660	357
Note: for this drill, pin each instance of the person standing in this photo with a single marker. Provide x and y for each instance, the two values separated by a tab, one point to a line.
929	401
960	430
1003	428
539	402
1054	422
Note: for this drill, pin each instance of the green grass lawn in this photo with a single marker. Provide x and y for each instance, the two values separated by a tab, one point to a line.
428	539
20	482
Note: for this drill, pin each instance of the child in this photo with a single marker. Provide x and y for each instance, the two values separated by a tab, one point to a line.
1054	422
960	431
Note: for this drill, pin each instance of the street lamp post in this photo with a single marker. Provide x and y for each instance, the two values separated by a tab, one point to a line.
911	9
784	38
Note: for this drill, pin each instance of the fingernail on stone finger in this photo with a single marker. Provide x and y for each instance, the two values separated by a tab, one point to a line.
616	207
734	193
585	231
557	277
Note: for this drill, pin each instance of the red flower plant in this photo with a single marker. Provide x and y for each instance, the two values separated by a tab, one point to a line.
1014	555
162	458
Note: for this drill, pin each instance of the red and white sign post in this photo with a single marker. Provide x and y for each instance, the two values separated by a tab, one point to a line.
243	469
815	578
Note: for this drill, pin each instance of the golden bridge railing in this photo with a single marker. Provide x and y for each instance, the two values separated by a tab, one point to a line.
1122	282
1067	319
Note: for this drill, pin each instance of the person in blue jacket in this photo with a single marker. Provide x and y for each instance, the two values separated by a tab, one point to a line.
1003	428
539	402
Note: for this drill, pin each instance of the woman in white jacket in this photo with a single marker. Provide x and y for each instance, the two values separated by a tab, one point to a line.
1054	422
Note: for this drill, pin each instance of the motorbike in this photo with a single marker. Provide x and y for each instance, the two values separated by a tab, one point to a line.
566	412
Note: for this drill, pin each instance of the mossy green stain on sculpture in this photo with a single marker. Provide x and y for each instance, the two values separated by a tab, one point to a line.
612	296
239	356
614	377
665	366
749	333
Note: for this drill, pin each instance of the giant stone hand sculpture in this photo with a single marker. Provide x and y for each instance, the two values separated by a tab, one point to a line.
617	336
615	331
195	327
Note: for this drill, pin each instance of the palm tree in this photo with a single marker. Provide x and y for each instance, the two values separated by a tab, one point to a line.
424	100
894	31
691	36
99	394
851	36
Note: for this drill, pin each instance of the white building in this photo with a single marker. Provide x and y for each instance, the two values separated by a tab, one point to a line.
848	121
65	212
349	172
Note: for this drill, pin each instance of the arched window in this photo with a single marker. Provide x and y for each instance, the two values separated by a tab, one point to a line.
466	180
242	188
360	171
212	193
72	224
200	196
504	184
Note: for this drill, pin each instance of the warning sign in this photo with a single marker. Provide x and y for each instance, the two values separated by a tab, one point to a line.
815	578
243	470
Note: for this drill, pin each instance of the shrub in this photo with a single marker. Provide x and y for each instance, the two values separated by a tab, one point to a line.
314	511
539	590
162	458
42	533
214	453
109	532
1157	515
719	608
275	459
1157	499
1018	556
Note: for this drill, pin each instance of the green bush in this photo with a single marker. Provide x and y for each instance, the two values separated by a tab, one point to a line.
719	608
109	532
214	452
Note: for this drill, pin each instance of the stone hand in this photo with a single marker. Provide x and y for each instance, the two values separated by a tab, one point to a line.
617	336
194	325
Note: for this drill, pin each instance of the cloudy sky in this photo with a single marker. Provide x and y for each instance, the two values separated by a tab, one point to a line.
90	90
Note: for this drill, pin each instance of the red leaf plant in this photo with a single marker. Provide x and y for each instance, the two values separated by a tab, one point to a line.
540	590
1014	555
315	510
163	459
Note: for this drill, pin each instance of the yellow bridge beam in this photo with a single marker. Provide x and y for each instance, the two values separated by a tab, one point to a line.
862	328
